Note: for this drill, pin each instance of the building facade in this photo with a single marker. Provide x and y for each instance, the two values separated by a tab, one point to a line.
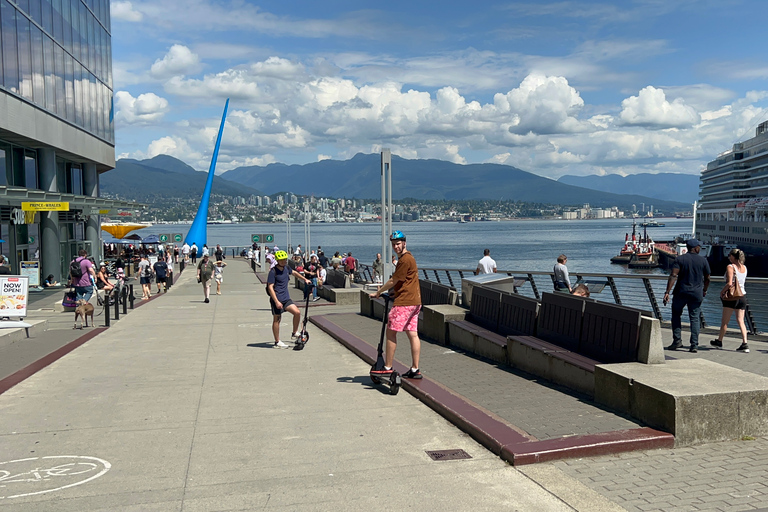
56	129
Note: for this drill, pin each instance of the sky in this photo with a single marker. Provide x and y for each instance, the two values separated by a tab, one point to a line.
550	87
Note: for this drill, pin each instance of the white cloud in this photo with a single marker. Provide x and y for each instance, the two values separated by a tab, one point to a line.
146	108
650	108
179	61
322	157
124	11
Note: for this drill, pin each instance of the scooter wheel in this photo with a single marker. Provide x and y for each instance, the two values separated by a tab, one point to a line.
394	383
394	389
304	337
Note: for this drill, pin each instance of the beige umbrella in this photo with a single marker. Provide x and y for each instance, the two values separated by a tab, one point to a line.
120	230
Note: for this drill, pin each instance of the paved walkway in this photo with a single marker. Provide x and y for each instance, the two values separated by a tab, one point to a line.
183	405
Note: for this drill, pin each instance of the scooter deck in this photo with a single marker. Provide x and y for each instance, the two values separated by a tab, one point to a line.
393	380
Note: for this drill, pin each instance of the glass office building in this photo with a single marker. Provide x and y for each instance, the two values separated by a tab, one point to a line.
56	128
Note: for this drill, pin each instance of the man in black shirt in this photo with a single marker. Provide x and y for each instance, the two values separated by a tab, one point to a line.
692	273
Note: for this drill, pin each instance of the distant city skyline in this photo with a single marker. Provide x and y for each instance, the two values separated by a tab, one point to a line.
552	88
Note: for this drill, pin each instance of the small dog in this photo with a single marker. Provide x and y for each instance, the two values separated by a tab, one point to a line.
83	311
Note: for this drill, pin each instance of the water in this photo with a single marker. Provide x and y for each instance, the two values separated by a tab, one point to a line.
515	245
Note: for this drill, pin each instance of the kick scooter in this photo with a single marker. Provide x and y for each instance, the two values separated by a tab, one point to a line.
394	381
303	334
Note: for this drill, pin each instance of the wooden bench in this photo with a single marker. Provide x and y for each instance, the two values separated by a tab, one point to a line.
435	293
573	336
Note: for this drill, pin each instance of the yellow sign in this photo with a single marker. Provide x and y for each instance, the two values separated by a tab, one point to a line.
44	207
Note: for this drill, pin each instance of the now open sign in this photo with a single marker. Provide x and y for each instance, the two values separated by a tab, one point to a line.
13	296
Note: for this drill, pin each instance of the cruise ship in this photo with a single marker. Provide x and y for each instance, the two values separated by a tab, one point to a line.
733	206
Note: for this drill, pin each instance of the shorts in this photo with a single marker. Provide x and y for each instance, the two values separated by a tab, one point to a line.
278	312
740	303
162	280
404	318
219	279
145	280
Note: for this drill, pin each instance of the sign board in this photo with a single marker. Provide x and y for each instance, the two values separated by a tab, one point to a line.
177	237
31	269
268	239
152	258
256	239
29	206
95	210
164	238
13	296
125	214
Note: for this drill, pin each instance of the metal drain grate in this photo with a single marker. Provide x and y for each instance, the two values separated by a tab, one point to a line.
448	454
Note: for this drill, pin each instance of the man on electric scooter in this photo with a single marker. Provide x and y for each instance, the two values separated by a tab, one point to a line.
404	315
279	298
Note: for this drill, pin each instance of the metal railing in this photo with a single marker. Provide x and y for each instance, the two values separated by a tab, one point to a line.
641	291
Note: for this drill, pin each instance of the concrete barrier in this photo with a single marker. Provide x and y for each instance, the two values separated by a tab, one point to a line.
11	335
696	400
435	319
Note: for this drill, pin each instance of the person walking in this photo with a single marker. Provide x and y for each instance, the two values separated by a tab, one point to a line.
486	265
204	273
81	276
378	269
161	274
562	280
310	272
735	275
404	315
219	253
193	253
185	250
206	252
691	272
218	274
279	299
350	265
145	277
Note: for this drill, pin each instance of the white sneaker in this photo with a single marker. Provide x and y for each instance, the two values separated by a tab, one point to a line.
280	344
295	335
316	299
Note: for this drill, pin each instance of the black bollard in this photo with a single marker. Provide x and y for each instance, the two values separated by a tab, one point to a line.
124	293
117	304
130	294
181	266
106	310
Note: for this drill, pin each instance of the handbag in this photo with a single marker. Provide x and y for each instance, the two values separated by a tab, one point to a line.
734	290
70	299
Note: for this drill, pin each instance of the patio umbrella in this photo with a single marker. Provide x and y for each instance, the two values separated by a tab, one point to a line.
120	230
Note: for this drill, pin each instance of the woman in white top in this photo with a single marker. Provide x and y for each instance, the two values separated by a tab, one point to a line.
738	271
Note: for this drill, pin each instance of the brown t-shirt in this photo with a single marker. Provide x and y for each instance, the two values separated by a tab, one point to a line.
406	278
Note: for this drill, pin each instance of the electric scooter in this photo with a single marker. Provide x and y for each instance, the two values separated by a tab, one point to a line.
394	381
303	334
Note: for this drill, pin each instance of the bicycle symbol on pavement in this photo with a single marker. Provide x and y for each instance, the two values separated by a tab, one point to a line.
38	475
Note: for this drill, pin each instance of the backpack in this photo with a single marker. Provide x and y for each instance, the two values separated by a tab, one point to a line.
75	270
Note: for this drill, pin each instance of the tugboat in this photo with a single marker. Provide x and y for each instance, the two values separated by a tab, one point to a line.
645	256
653	223
629	249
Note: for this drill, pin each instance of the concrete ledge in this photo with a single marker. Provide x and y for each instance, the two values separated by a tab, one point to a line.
59	308
491	346
696	400
650	348
344	296
435	319
14	334
552	365
459	336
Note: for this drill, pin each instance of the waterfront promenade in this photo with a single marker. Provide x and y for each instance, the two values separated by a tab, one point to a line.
182	405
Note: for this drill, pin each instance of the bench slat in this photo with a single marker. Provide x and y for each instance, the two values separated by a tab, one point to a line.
610	334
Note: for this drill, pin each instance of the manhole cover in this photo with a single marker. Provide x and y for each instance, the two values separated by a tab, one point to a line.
448	454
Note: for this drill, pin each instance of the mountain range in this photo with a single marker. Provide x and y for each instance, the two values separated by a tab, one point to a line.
666	186
164	177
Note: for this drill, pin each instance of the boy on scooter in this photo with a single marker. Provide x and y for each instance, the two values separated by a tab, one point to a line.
404	315
279	298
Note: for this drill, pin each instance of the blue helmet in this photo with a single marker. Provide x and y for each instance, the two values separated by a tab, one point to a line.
397	235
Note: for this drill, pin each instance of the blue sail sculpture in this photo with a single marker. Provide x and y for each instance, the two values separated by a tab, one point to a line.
198	232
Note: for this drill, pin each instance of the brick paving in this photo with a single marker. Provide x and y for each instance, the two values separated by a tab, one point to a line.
541	409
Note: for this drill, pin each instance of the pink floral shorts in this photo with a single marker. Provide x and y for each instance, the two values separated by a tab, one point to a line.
404	318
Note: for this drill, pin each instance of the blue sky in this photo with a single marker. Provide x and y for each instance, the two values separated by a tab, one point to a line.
564	87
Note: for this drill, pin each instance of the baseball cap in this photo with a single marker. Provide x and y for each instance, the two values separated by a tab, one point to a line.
692	243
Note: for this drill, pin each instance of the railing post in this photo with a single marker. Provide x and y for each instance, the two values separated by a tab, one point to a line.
652	299
614	290
437	277
534	287
750	321
448	273
426	276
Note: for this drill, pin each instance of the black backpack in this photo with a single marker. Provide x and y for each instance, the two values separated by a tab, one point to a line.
75	270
